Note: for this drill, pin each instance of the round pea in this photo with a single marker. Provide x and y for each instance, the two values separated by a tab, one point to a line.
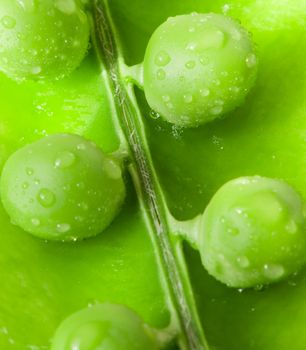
62	187
253	232
42	39
103	327
198	67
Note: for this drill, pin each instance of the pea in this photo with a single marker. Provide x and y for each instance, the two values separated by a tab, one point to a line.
198	67
62	187
253	232
103	327
44	39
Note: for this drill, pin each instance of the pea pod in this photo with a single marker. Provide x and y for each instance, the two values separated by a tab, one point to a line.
250	141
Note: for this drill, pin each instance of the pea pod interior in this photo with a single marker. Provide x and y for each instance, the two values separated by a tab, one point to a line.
45	282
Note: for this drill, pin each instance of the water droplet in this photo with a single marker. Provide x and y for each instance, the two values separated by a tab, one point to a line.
36	70
161	74
190	64
8	22
204	60
169	105
213	39
27	5
243	261
154	115
240	290
191	46
35	222
258	287
273	271
216	110
225	8
251	60
236	34
204	92
191	29
25	185
62	228
166	98
291	227
162	58
79	218
29	171
188	98
233	231
66	6
81	147
65	160
83	206
112	169
46	197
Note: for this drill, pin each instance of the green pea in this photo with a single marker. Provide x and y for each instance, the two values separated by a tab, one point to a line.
42	39
253	232
62	187
198	67
103	327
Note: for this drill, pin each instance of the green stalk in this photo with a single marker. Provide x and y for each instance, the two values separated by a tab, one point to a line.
168	251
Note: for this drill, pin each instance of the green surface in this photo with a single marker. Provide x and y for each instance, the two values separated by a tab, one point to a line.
265	136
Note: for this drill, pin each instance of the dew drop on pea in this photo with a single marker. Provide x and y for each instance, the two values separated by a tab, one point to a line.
251	60
113	169
8	22
162	59
166	98
29	171
243	261
204	92
25	185
161	74
63	228
216	110
35	222
188	98
65	160
154	115
273	271
46	198
36	70
191	46
81	147
190	64
291	227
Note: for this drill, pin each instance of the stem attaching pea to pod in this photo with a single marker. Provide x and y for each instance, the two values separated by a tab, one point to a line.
42	39
253	232
62	187
198	67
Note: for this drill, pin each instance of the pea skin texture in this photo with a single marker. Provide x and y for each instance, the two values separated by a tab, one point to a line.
62	187
42	39
103	327
253	232
198	67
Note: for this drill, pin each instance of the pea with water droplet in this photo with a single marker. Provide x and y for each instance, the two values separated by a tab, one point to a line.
266	216
204	50
104	326
74	182
31	41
